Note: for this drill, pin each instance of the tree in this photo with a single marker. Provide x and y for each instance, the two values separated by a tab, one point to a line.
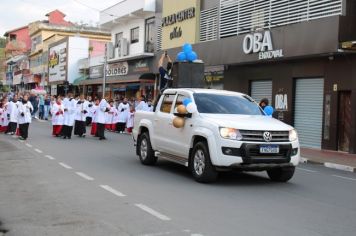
2	42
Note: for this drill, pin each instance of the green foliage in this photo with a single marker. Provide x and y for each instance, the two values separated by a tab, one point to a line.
4	88
2	42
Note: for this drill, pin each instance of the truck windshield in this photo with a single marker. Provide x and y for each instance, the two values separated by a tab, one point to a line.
226	104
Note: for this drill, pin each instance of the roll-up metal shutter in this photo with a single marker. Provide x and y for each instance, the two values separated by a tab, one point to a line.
261	89
308	111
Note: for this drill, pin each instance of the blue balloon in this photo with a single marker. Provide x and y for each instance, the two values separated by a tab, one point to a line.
181	56
192	56
269	110
187	48
187	101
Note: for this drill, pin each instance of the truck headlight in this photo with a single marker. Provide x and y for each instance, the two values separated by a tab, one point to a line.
230	133
293	135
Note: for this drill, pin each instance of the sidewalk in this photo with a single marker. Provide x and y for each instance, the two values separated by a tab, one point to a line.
331	159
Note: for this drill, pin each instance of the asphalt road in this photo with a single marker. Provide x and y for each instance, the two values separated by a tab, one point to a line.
83	186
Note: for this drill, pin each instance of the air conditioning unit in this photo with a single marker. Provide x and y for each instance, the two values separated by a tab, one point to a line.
122	48
110	50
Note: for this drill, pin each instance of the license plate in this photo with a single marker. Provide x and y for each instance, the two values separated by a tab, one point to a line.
268	149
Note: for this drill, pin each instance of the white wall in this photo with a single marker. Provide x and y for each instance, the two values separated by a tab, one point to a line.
124	7
135	48
96	61
78	48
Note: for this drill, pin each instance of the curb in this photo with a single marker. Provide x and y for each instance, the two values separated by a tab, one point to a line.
329	165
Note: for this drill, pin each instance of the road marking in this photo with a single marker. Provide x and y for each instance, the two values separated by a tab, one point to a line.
84	176
153	212
307	170
65	165
50	157
113	191
38	150
343	177
28	145
339	167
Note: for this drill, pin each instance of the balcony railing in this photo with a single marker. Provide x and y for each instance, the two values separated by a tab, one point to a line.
242	16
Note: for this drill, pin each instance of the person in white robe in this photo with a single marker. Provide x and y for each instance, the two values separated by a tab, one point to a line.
12	115
124	109
81	116
57	111
70	106
104	107
24	117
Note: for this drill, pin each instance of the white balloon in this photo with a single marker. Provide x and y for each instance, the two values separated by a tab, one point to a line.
192	108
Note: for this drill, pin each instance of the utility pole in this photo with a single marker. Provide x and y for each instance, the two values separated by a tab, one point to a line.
104	76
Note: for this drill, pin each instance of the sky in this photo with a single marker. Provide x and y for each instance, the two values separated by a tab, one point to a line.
18	13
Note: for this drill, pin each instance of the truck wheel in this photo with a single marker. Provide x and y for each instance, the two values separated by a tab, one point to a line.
281	174
200	164
146	154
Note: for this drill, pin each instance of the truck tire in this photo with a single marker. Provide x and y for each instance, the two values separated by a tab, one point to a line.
200	164
281	174
145	152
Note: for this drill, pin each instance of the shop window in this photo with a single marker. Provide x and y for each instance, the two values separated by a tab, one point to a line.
118	37
135	35
167	103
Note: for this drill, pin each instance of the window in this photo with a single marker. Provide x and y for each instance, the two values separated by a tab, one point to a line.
118	37
135	35
12	37
167	103
226	104
149	35
180	100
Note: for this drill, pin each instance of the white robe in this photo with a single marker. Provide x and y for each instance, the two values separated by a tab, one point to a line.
69	114
1	116
101	111
13	110
25	109
109	116
94	112
116	115
142	106
57	119
5	120
123	112
80	114
130	120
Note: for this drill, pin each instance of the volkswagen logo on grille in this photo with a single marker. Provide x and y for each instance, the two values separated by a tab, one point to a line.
267	136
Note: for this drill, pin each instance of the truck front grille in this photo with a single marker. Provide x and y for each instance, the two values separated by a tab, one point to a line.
257	136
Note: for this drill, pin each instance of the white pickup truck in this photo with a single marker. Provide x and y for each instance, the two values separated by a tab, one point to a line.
228	131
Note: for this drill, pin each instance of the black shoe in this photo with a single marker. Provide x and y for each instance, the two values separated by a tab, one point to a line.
64	137
102	138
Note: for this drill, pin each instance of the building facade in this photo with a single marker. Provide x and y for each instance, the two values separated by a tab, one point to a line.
18	45
300	55
130	55
52	30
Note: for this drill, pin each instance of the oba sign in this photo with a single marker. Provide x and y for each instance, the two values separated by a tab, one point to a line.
261	43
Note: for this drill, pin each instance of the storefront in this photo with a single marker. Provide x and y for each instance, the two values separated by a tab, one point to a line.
305	69
131	78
